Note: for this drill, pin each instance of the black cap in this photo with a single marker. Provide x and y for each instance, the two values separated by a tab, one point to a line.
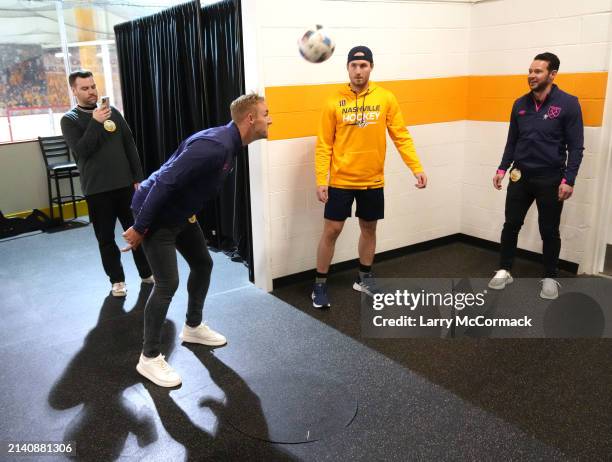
360	52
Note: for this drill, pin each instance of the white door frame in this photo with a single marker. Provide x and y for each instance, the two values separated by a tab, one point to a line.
595	252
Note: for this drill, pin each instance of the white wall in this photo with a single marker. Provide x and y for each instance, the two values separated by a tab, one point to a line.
506	34
409	40
412	40
609	241
258	151
23	178
23	181
411	215
504	38
482	212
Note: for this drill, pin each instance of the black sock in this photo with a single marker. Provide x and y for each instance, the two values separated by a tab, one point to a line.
321	278
365	268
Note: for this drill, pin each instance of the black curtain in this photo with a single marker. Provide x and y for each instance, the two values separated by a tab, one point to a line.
179	76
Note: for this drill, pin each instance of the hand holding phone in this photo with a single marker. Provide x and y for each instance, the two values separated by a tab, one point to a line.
103	112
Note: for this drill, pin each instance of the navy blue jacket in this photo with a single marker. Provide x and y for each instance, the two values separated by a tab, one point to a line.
193	175
547	140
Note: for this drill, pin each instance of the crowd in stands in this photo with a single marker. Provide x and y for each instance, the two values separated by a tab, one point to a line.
26	80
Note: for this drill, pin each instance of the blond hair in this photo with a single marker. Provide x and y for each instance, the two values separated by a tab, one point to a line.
243	105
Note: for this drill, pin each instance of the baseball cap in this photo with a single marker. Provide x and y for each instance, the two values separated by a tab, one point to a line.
360	52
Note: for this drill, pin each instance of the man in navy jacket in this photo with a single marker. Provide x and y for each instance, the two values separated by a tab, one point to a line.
164	207
543	153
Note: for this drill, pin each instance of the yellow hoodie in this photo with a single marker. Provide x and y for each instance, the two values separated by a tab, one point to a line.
352	156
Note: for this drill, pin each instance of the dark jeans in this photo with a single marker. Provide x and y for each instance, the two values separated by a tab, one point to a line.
160	246
104	209
520	196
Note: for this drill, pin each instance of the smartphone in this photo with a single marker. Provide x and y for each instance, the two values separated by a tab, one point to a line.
104	102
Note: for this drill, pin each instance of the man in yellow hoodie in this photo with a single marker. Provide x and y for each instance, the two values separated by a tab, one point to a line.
349	164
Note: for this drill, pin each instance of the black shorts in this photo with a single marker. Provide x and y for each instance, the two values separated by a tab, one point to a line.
370	204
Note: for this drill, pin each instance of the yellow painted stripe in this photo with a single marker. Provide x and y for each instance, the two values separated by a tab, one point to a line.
296	110
67	209
490	98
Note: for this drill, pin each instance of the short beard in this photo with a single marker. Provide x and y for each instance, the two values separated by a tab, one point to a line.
541	86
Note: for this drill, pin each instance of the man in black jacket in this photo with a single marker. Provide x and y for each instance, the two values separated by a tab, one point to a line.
108	161
544	148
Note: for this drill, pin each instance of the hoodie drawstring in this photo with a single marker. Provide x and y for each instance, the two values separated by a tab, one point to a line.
362	122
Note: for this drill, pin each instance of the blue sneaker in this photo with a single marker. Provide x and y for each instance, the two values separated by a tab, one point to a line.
319	296
367	284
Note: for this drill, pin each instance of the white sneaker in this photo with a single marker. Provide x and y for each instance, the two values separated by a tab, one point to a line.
500	280
149	280
202	334
158	371
550	289
119	289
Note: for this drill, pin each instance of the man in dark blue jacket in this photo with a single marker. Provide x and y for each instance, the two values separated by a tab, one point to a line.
543	152
164	207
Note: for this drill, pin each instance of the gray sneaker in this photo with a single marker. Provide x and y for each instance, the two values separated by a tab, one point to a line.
500	280
550	289
367	284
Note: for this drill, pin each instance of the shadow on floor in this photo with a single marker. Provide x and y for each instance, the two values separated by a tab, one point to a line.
104	368
225	443
97	377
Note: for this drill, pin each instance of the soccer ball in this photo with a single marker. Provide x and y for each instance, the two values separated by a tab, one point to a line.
316	46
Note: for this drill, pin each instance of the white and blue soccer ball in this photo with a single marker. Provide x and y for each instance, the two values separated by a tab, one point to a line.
316	46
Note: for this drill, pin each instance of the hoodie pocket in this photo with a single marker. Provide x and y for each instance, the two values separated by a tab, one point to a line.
361	166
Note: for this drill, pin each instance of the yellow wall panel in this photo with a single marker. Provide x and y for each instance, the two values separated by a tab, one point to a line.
287	125
592	85
426	89
592	112
506	86
490	109
299	98
295	110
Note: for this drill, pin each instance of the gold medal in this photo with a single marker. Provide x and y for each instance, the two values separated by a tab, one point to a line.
109	126
192	219
515	174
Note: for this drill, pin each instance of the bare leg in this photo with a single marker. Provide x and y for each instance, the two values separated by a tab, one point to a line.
327	244
367	241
